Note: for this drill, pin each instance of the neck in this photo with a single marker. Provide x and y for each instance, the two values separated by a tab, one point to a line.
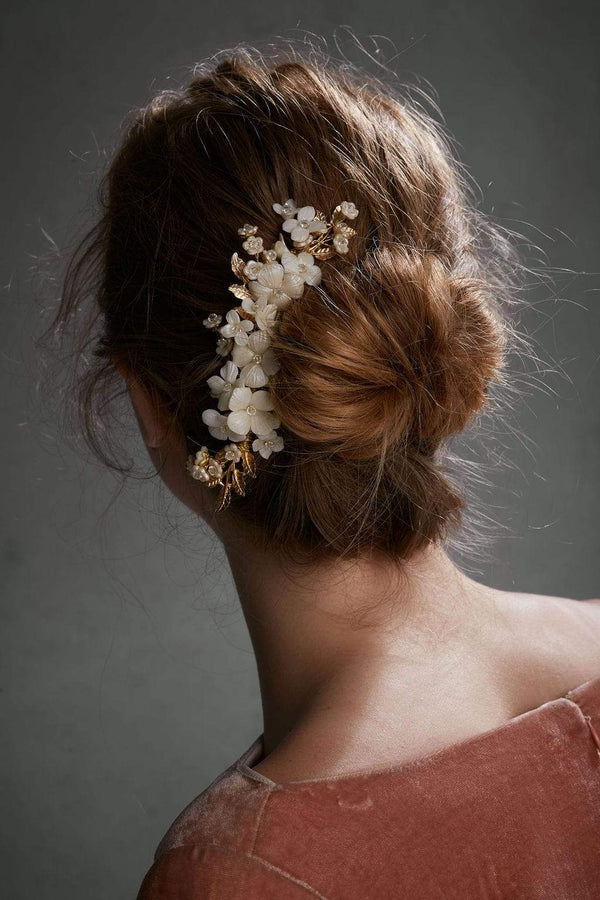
320	630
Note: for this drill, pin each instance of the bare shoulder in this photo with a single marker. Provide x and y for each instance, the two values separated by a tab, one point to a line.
532	649
552	615
557	643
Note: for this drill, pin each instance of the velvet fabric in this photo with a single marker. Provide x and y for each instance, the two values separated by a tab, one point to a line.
513	813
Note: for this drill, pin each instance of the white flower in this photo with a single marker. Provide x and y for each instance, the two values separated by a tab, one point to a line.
264	313
224	346
276	286
287	209
199	473
340	242
252	268
301	264
231	453
250	411
236	327
256	360
214	468
267	444
252	306
348	209
197	468
212	320
222	385
303	225
247	230
217	426
280	248
253	245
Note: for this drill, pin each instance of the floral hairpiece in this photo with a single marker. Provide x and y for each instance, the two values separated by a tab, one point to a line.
244	416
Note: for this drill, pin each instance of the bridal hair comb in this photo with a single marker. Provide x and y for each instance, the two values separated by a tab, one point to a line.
267	284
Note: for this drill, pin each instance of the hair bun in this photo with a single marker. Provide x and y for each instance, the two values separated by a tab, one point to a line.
401	348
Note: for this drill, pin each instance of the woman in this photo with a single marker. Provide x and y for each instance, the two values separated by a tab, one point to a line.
305	306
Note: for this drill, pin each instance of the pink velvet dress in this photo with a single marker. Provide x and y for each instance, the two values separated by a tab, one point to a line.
510	814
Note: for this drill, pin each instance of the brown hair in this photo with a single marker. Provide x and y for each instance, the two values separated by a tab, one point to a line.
394	352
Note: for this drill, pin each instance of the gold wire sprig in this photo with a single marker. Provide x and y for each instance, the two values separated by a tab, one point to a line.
321	245
229	468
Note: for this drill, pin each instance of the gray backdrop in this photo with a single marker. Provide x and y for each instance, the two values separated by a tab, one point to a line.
128	679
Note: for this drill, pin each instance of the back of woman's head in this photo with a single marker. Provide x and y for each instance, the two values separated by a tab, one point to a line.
392	353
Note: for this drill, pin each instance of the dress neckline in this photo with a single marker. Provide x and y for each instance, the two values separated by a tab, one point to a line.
254	753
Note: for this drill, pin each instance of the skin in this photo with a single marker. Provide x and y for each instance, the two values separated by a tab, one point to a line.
362	665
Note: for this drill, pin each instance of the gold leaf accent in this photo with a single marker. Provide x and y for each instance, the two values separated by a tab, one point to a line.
323	252
238	265
240	291
248	462
223	498
237	480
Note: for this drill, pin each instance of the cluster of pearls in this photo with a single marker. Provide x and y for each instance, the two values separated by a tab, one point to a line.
245	416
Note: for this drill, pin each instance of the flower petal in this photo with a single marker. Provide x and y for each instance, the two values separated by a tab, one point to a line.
293	284
263	422
224	399
216	385
240	398
242	355
258	342
254	375
305	214
216	424
313	275
235	435
289	260
239	421
254	306
212	417
305	259
271	275
262	400
229	372
260	292
300	234
265	318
